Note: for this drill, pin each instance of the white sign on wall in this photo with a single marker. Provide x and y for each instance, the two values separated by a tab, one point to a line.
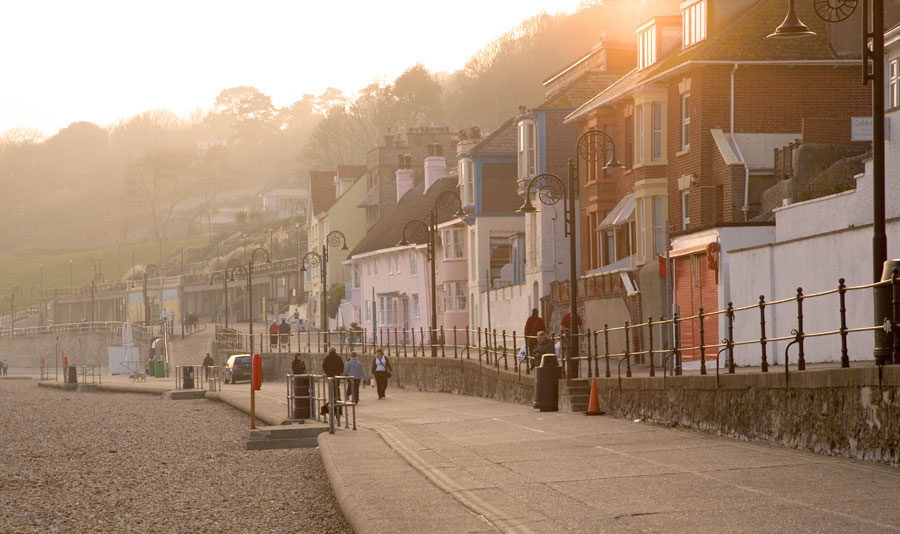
861	128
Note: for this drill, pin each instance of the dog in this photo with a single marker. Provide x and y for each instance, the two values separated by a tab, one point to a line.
138	377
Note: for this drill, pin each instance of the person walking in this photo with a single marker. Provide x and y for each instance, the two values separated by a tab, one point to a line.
354	368
381	368
298	366
533	325
273	335
5	367
284	330
332	365
207	363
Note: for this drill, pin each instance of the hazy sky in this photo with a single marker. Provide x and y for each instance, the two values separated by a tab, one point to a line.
99	61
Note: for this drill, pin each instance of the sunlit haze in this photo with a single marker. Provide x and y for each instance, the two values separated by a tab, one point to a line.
102	61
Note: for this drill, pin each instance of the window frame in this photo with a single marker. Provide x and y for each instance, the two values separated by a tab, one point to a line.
686	121
527	148
894	83
685	208
413	265
638	135
656	126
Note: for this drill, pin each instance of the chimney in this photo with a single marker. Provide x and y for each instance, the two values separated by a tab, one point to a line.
435	165
468	139
404	175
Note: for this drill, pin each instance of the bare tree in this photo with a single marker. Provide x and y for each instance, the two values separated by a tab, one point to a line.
158	183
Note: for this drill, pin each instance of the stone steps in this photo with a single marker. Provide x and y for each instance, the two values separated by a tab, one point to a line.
284	436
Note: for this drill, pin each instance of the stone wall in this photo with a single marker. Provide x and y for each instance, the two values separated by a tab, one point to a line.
845	412
446	375
82	348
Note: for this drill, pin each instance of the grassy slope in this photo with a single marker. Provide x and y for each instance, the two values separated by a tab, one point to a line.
24	271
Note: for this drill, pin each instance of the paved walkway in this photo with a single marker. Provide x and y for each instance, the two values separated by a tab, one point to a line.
434	462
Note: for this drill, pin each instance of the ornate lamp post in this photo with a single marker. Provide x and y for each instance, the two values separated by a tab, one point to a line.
227	275
334	238
11	302
421	231
872	51
147	269
550	190
263	253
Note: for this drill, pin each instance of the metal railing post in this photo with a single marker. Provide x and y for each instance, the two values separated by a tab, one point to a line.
842	291
606	345
650	347
764	364
801	360
702	342
455	348
730	316
895	304
441	340
589	370
505	361
677	325
627	352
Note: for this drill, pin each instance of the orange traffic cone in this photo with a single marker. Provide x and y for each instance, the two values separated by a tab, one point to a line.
594	404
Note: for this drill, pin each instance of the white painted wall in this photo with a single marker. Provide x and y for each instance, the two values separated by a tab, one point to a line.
817	242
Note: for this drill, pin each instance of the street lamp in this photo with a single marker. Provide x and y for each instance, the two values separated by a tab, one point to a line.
147	268
265	253
550	190
227	275
11	302
421	231
873	50
334	238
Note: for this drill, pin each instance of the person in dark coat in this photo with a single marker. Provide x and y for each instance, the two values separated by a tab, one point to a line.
544	346
298	367
533	325
381	369
273	335
207	363
333	365
284	329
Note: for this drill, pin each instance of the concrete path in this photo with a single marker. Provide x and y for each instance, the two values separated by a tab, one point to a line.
433	462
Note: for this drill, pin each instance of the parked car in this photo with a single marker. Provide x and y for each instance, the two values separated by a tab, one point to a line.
237	367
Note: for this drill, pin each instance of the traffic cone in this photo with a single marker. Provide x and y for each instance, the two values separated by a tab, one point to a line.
594	403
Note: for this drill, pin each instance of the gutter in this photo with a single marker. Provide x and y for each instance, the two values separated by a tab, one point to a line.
746	207
578	113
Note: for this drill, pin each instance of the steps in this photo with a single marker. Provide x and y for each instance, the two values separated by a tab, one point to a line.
574	395
284	436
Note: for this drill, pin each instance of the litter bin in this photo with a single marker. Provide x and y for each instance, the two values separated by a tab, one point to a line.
546	384
73	375
159	370
300	388
187	378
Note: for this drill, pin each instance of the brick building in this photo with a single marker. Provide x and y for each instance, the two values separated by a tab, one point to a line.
696	124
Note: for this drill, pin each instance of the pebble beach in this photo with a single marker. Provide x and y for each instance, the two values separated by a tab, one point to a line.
118	462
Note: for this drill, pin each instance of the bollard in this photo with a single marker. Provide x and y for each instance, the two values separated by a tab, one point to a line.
801	359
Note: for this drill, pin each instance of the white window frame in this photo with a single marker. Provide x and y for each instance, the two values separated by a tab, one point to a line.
693	22
686	121
413	265
894	83
658	230
452	239
467	181
646	44
415	305
639	218
685	208
461	302
375	266
638	135
527	144
656	120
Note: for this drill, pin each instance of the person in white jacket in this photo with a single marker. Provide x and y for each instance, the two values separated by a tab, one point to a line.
354	368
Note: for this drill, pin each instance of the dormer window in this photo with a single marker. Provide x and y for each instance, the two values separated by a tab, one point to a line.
467	181
693	23
646	45
527	149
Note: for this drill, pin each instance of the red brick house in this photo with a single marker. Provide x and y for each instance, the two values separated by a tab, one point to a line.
696	124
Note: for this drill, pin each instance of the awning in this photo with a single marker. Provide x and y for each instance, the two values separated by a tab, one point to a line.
623	213
371	198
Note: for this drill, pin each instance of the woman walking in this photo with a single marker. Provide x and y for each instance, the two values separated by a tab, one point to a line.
381	368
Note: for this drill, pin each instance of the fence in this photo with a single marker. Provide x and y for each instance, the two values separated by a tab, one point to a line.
643	342
140	332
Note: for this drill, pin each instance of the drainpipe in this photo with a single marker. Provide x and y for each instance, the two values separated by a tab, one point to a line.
746	207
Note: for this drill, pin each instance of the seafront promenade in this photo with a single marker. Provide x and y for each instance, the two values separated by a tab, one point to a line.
436	462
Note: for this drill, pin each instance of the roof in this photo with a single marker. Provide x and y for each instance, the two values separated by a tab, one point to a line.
350	172
744	39
502	140
321	190
621	214
387	232
371	198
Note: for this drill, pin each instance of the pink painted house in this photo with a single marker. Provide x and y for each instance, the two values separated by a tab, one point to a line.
397	279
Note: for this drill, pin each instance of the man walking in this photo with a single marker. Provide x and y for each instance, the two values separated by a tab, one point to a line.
533	325
354	368
381	368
